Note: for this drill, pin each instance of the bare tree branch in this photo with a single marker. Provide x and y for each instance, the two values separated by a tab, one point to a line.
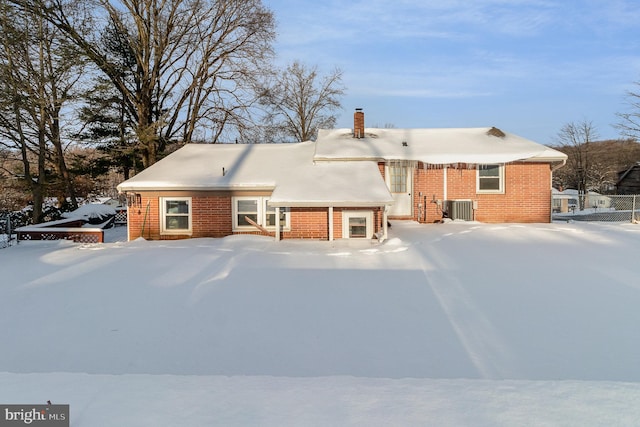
189	55
298	101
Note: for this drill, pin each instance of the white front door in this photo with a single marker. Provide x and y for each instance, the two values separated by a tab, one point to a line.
399	177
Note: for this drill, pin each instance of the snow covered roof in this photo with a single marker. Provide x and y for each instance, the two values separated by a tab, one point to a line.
335	170
574	192
433	146
333	184
287	169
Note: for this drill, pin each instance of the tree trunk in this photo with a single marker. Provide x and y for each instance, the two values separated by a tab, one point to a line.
61	167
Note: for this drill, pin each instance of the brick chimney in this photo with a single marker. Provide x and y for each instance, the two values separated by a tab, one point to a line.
358	123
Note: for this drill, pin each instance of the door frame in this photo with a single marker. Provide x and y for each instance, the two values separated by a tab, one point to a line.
403	201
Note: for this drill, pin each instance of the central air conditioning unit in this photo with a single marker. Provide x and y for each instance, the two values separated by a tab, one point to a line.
459	209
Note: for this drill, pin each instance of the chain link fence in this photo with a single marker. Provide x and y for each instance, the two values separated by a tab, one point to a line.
596	207
7	236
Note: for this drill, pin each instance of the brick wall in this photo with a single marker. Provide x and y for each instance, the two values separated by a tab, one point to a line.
143	219
526	198
308	223
212	217
427	186
313	223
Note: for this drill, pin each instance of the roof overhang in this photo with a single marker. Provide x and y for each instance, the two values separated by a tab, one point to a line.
433	147
142	187
328	203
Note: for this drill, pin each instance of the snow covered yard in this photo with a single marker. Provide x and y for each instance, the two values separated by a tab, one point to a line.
444	325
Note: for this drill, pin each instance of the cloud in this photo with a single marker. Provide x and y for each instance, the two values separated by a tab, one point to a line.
548	58
612	14
431	93
301	24
331	22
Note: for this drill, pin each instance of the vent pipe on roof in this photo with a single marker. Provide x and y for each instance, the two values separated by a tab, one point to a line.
358	123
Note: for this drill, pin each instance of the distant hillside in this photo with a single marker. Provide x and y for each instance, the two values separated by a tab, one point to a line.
601	160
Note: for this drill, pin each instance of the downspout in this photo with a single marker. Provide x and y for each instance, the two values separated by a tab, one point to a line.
444	184
385	221
128	221
330	213
553	169
558	165
551	197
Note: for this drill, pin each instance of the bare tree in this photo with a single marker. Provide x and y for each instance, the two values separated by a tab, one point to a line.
629	124
299	101
606	159
38	69
576	140
12	115
60	68
196	61
12	196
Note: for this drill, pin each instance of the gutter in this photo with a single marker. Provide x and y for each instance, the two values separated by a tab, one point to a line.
558	165
328	204
124	189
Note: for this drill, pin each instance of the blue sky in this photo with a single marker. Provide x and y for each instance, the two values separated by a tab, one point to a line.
525	66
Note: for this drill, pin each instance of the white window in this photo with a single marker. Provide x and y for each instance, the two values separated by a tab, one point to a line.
257	209
357	224
398	173
175	215
246	210
490	179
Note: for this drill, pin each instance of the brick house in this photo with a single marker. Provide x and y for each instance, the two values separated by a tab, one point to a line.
346	184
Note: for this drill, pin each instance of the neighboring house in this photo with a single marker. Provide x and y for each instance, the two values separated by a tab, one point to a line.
569	201
564	201
629	180
346	184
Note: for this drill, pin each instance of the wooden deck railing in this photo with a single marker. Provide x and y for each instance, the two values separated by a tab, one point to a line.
64	229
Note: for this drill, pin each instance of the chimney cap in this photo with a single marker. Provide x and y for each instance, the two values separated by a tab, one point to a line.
358	109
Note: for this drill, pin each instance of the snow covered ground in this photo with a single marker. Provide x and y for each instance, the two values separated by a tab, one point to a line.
458	324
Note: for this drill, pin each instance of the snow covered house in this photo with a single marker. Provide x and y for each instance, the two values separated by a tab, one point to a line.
569	200
346	184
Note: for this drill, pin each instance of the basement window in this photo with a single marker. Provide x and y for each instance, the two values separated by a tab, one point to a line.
357	224
490	179
175	215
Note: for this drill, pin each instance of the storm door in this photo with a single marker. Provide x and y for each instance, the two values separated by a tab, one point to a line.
399	177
